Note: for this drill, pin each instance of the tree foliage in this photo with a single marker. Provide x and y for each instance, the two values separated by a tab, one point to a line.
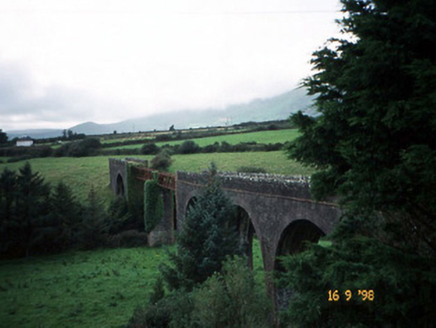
206	239
153	204
3	137
373	147
373	142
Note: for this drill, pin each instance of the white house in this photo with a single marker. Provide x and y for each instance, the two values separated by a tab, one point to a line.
24	142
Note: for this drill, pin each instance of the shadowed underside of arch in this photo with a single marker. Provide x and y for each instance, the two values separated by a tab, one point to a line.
120	186
294	236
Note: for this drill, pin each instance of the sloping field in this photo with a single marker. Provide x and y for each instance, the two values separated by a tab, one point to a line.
260	137
78	289
99	288
83	173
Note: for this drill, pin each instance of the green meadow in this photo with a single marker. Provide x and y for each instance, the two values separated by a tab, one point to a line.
99	288
81	174
265	137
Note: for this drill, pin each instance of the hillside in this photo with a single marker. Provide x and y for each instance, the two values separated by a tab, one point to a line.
275	108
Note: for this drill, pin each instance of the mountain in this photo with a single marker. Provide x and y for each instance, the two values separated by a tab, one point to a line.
35	133
276	108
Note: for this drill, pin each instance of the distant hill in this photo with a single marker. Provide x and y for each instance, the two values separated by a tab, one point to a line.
35	133
275	108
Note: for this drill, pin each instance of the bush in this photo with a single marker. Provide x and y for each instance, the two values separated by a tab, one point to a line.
128	238
19	159
189	147
161	161
227	299
172	311
211	148
149	149
232	299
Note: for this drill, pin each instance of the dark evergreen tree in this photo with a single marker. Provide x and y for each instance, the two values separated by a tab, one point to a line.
373	146
8	196
95	223
32	208
65	218
207	238
3	137
374	140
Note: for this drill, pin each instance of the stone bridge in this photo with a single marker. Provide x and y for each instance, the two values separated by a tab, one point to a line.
277	209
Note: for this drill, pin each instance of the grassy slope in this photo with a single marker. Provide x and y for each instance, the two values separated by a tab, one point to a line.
83	173
82	289
260	137
79	289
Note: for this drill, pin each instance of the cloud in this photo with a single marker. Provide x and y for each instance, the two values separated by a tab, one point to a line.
28	104
106	61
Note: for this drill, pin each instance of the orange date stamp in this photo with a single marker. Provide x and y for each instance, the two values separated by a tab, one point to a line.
362	294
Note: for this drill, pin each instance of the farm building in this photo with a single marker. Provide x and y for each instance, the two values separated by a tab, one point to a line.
24	142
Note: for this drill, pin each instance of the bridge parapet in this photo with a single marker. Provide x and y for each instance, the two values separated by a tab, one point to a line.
296	187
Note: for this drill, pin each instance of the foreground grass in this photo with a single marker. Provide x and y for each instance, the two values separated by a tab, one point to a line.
79	289
83	173
98	288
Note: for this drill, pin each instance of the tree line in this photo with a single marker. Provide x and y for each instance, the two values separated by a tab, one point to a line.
37	218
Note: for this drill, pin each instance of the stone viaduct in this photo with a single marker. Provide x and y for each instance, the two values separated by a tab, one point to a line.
277	209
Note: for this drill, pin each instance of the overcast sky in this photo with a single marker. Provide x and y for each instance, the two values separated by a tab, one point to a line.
65	62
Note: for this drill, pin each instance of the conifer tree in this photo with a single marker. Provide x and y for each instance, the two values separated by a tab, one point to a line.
206	239
95	223
374	140
65	218
373	145
32	207
8	194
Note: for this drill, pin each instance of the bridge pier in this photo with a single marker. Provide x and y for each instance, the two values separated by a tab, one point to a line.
163	234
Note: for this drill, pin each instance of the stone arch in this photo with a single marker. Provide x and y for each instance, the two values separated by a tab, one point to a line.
120	187
293	237
191	203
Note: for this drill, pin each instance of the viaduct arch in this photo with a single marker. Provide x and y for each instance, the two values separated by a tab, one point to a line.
278	209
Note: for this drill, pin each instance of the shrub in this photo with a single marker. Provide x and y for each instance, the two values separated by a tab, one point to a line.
172	311
232	299
150	149
161	161
189	147
211	148
128	238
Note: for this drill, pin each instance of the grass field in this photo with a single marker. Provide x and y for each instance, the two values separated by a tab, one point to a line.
79	289
82	289
83	173
260	137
